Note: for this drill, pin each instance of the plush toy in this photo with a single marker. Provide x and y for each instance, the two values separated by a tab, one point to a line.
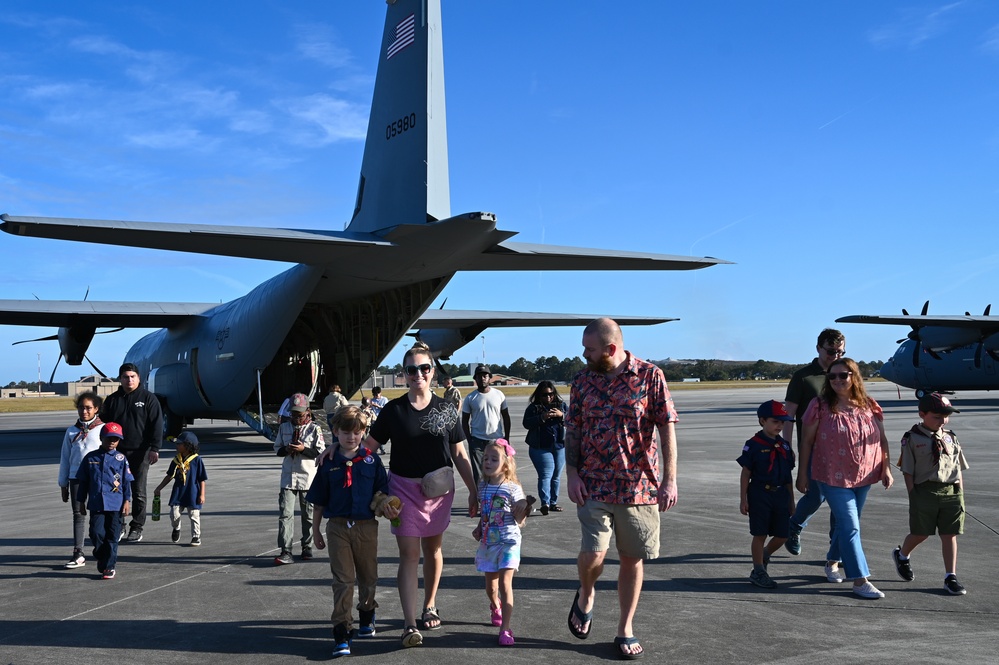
381	500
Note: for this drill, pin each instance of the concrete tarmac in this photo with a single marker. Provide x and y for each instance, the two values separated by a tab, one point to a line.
226	602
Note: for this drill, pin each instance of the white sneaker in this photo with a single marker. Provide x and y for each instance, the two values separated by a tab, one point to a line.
76	562
868	590
835	574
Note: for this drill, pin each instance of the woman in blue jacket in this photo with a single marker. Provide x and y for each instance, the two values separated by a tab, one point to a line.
546	441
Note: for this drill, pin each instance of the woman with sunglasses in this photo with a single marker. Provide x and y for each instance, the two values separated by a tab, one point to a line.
426	436
546	442
843	438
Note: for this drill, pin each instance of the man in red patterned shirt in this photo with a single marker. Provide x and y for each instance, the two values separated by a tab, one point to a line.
612	463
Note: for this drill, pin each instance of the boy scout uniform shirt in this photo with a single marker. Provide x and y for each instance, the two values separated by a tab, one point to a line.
105	481
919	461
297	471
769	460
345	487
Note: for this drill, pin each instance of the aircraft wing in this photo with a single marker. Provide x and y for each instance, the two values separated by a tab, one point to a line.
454	318
955	321
65	313
529	256
249	242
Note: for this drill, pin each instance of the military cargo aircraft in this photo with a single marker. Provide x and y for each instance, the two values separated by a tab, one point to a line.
941	353
330	317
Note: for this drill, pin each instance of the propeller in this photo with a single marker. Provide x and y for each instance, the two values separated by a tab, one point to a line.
981	343
73	343
914	336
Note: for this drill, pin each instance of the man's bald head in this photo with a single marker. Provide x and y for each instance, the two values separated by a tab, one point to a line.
606	330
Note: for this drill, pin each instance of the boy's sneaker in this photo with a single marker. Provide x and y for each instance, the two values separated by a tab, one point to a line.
834	573
793	542
306	553
868	590
902	567
366	623
954	587
762	579
175	536
124	530
196	541
134	535
77	561
284	558
342	639
109	574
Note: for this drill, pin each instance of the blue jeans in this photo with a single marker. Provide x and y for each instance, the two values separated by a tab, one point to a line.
808	505
847	503
549	465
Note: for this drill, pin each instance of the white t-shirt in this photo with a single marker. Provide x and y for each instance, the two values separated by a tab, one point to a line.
484	410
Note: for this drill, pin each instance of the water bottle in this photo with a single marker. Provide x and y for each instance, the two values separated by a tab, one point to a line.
156	508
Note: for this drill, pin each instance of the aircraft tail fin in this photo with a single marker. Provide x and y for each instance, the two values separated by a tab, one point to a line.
404	172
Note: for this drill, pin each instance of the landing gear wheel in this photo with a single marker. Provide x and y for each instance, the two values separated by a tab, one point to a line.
920	394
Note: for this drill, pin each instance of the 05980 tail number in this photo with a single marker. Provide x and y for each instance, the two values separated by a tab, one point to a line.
397	127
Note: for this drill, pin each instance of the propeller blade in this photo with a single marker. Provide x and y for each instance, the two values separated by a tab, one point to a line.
988	308
52	378
915	354
105	332
978	355
86	294
926	307
443	303
96	368
40	339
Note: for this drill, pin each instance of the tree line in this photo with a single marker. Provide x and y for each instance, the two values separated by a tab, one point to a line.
562	371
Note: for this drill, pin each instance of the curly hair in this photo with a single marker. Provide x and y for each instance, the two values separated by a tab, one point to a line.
857	395
508	466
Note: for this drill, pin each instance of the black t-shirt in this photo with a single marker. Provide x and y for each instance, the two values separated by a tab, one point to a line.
421	440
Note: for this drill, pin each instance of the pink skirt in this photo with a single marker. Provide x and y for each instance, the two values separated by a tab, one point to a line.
420	516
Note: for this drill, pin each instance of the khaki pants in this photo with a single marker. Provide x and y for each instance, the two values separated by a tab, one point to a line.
353	549
175	512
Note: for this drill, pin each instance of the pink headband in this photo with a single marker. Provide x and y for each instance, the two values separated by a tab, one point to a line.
505	445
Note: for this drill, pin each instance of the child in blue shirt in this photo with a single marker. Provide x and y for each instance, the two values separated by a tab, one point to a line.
343	491
105	488
187	470
766	489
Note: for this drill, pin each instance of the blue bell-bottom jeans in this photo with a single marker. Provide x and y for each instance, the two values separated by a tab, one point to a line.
847	504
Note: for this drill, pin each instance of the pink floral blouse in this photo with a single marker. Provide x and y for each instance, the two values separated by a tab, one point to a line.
847	448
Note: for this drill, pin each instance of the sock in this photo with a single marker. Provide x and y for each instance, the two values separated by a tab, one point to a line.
902	557
949	575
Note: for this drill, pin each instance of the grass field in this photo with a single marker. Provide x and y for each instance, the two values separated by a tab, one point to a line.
37	404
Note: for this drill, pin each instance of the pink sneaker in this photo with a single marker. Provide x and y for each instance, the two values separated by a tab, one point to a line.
496	616
506	638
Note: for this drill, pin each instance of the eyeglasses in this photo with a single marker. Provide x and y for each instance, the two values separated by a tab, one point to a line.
425	368
548	394
835	353
842	376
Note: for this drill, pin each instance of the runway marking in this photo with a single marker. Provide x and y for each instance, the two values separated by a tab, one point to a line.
169	584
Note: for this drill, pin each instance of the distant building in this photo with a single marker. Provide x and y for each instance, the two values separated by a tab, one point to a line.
94	383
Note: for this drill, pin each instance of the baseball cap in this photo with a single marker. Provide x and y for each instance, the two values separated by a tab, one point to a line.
936	403
112	430
299	403
483	369
773	409
187	437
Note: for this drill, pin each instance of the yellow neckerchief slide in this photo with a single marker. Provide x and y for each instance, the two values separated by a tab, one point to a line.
183	466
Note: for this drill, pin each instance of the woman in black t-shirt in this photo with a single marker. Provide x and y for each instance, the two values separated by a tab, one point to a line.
426	435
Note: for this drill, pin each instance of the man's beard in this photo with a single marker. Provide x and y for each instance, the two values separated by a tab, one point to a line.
604	365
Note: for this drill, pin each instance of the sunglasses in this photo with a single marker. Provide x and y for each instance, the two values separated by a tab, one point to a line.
835	353
425	368
842	376
548	394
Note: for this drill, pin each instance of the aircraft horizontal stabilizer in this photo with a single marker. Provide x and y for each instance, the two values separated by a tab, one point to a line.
248	242
954	321
454	318
529	256
65	313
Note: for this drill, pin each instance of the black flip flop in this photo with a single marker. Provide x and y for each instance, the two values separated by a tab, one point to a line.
627	641
583	618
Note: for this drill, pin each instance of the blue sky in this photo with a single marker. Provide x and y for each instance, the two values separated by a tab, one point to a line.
843	155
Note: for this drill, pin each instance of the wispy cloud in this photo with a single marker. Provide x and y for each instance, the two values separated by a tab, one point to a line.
330	119
991	41
915	26
316	42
